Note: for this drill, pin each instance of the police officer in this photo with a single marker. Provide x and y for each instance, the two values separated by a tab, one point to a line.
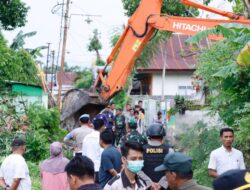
155	151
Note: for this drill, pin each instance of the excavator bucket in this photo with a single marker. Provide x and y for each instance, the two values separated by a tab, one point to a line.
77	102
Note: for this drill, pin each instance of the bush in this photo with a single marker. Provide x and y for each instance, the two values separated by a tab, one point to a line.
46	123
35	175
198	142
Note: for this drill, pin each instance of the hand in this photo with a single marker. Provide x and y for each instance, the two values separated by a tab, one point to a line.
155	186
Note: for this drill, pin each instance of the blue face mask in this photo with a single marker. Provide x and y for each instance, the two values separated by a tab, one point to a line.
135	166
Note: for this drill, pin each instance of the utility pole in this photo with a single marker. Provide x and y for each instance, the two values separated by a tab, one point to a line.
164	58
47	62
52	79
65	32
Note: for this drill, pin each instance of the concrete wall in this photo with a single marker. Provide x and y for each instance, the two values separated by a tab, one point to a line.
172	81
190	118
29	100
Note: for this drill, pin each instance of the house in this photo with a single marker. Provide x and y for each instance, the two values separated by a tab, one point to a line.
26	95
180	64
68	79
179	61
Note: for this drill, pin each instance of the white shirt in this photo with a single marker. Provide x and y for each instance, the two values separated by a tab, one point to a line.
92	149
14	166
221	160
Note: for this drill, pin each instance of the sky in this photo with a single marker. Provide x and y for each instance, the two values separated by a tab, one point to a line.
40	18
110	17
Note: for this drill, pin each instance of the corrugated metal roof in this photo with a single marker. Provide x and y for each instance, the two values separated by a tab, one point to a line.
179	56
68	78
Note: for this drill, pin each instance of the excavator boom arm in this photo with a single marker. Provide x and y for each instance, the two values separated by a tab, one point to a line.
141	26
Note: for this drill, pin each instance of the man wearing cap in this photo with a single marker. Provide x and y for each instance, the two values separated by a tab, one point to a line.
233	179
133	135
79	133
14	172
178	172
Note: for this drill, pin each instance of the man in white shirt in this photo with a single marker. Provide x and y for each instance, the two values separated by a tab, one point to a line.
226	157
90	144
14	172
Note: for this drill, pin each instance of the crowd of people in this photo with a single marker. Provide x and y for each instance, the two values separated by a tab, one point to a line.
115	151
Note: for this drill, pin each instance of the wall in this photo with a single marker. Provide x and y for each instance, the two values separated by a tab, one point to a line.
29	100
172	81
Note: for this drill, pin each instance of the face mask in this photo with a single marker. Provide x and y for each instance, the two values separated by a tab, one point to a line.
135	166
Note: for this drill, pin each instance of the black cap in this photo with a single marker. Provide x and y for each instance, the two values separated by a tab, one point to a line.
233	179
18	142
156	130
176	162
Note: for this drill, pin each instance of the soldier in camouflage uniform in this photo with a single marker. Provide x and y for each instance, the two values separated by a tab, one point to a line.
133	135
119	126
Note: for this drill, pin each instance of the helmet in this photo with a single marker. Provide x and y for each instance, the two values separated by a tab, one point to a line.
156	130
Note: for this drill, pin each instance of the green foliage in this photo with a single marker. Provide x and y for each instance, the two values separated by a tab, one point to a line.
43	129
243	131
95	44
13	62
172	111
5	143
19	40
34	175
229	83
68	68
85	79
37	145
171	7
180	104
12	14
198	142
46	122
100	62
120	99
244	56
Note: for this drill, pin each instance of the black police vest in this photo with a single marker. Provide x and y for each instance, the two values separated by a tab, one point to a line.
153	157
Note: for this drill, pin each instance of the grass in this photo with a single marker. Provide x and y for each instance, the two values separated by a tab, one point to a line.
35	175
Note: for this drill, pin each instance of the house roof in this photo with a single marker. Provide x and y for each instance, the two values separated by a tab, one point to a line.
179	56
68	78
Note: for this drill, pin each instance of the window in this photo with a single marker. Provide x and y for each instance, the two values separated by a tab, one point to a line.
187	91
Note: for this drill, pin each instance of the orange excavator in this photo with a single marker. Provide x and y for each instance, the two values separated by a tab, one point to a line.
141	26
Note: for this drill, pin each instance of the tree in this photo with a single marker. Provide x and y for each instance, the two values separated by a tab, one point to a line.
19	42
227	81
13	14
171	7
85	79
95	45
16	65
